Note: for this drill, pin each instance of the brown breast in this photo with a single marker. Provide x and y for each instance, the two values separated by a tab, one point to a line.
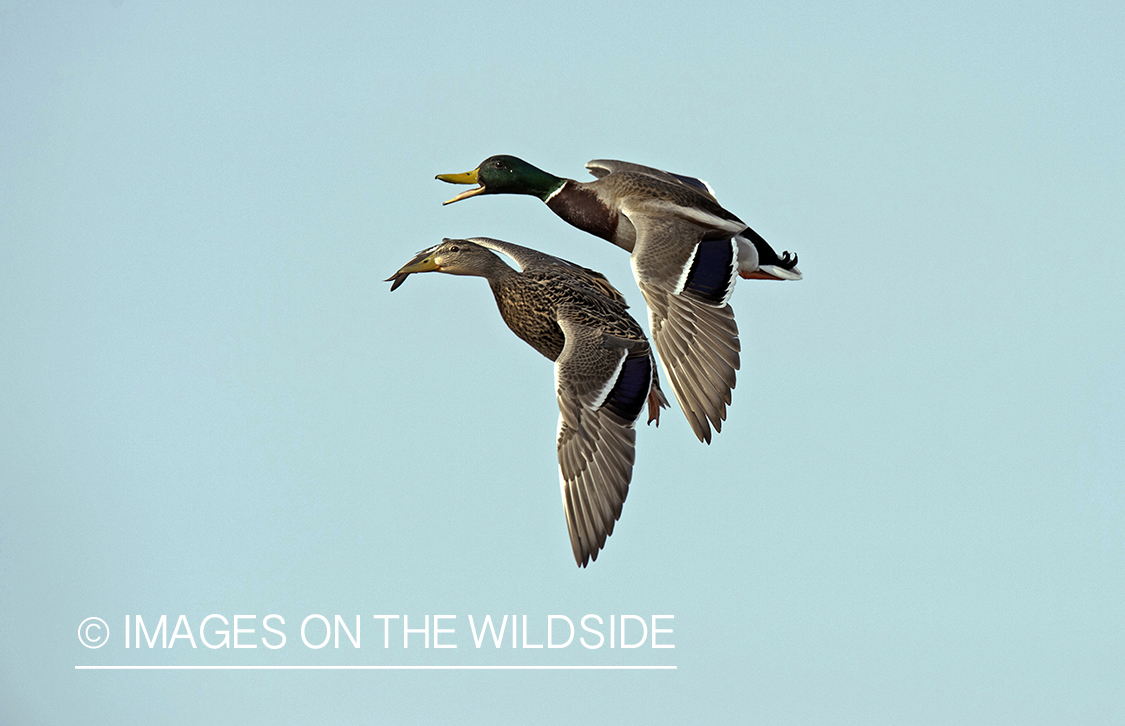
583	209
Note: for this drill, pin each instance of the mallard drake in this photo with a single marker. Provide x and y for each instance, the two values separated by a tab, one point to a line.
687	252
604	368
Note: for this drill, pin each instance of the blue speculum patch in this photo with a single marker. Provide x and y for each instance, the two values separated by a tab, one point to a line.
710	272
631	390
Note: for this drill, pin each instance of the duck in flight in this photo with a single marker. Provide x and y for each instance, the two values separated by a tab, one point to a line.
687	252
605	373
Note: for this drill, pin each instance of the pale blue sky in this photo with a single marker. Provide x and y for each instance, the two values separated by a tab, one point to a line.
915	513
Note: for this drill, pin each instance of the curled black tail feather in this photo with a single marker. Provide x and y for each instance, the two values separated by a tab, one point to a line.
766	254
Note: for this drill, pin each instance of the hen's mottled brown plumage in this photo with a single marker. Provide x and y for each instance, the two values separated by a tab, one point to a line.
605	372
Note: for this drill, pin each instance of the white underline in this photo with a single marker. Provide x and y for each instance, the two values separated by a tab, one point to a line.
375	668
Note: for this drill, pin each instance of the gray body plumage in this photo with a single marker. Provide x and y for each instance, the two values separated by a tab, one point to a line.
664	220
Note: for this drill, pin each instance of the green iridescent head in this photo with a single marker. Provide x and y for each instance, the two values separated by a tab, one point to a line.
505	174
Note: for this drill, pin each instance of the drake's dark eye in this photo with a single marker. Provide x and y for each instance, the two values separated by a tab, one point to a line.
454	248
